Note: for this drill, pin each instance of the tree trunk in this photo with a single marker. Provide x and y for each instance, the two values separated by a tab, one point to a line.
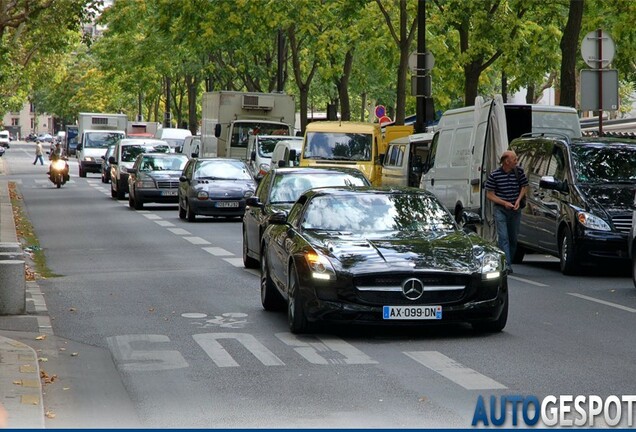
472	71
530	94
193	121
342	83
569	52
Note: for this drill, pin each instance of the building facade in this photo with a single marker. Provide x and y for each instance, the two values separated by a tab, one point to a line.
22	123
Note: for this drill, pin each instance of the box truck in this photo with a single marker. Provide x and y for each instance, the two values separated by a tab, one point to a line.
229	118
97	131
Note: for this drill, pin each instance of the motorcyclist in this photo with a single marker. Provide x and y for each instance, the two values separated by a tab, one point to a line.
58	153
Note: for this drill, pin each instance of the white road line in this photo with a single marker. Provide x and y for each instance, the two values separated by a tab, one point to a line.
603	302
164	223
180	231
197	240
456	372
151	216
528	281
217	251
236	262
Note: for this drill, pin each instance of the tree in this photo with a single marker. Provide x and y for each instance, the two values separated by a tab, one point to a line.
569	53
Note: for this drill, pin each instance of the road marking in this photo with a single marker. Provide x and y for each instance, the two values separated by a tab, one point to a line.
308	348
151	216
603	302
179	231
197	240
454	371
217	251
164	223
236	262
210	344
144	359
528	281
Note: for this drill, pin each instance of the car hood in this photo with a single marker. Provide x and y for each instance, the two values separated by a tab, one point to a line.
443	251
612	197
225	188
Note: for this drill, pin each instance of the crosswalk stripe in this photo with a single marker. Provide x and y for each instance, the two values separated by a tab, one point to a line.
236	262
179	231
454	371
197	240
217	251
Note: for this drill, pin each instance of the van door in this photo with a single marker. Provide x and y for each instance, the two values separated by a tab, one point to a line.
394	169
552	200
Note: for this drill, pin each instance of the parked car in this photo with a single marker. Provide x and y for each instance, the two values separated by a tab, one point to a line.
287	152
2	150
5	140
45	138
124	155
106	163
278	191
154	177
393	256
580	198
214	187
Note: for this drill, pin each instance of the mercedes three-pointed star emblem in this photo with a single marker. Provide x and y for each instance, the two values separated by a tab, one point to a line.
412	288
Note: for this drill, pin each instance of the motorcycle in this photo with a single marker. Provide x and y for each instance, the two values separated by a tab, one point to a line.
58	171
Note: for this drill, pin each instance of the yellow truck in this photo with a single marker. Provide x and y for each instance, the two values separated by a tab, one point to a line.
349	144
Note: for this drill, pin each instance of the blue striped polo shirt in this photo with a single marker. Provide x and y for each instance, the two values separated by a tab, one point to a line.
505	185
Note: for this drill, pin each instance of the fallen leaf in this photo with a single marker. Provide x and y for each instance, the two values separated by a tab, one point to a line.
17	382
62	349
151	309
41	337
43	359
66	388
74	354
72	309
50	414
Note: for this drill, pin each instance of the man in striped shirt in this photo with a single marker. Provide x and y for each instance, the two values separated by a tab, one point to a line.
505	187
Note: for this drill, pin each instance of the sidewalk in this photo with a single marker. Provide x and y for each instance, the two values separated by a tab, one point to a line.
20	384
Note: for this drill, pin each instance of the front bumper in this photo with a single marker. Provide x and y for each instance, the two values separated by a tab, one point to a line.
592	246
211	207
157	195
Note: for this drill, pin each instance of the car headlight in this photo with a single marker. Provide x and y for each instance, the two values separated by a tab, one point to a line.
263	168
320	266
593	222
202	195
248	193
491	265
88	159
145	183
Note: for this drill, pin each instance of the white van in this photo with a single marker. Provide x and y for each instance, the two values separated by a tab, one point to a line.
469	143
191	146
287	152
405	160
173	136
5	139
259	152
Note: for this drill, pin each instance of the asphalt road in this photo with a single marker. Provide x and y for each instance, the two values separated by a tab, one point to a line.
170	331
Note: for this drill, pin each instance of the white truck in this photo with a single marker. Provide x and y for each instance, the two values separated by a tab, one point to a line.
230	117
96	132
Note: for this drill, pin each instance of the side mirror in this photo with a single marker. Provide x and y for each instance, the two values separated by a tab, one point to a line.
183	178
194	154
79	147
470	218
217	130
131	170
279	218
112	161
282	163
549	182
292	155
253	202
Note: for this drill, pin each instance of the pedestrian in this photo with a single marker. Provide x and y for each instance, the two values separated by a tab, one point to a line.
38	153
506	187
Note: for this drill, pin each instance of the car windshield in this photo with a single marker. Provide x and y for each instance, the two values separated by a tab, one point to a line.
288	187
372	212
167	163
102	139
222	170
338	146
605	164
241	131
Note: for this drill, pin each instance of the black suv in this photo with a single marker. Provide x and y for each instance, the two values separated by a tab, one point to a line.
580	198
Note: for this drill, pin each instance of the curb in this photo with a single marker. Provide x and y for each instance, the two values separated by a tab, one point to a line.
20	384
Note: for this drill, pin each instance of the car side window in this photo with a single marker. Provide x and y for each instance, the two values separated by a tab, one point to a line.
262	191
556	167
188	170
296	211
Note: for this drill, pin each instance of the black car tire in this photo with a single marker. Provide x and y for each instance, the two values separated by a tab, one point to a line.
120	191
137	203
113	194
182	212
499	324
248	261
270	297
519	254
82	173
104	178
566	254
190	213
296	317
131	202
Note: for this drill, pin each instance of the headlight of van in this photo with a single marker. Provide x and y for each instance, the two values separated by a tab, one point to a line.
588	220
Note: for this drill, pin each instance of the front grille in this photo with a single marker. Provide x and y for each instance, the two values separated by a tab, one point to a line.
168	184
623	223
387	289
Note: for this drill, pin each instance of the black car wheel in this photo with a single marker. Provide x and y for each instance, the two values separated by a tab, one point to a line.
567	255
82	173
248	261
295	311
190	213
113	194
270	297
182	212
137	203
131	202
120	191
499	324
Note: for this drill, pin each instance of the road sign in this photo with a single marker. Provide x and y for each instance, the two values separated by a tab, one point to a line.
429	61
590	49
380	111
590	90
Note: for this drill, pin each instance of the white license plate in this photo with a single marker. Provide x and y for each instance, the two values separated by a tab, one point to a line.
412	312
169	193
227	204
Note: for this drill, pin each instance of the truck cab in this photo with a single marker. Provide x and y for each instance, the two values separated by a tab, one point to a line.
93	146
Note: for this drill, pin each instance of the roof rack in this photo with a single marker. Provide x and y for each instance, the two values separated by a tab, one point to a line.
546	135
